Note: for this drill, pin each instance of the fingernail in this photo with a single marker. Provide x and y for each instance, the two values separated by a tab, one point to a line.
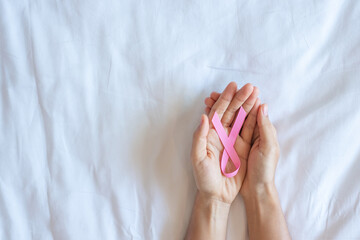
265	110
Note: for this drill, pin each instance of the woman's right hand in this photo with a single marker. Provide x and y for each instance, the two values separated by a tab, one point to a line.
263	157
264	214
264	153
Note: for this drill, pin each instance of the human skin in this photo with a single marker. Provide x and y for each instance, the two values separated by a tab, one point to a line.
215	191
258	149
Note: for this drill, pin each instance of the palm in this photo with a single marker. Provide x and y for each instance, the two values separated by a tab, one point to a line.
252	167
260	169
218	185
207	148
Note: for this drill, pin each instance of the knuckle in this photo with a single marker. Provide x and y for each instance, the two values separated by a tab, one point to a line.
239	98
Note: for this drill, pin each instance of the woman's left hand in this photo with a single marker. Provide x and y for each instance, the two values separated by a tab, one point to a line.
207	147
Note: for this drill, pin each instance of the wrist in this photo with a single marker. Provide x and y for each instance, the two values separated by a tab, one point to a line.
215	210
211	203
260	193
209	218
264	214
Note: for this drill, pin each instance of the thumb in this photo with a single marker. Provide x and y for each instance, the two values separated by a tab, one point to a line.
266	130
198	151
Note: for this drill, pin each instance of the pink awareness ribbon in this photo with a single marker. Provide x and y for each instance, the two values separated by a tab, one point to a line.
229	142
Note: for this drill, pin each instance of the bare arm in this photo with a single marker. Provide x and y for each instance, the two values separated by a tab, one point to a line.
264	215
209	219
215	191
263	210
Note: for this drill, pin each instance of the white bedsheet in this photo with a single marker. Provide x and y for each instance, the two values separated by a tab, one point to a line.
99	100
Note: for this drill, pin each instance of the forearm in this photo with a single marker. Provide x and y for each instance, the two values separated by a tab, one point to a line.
209	219
264	215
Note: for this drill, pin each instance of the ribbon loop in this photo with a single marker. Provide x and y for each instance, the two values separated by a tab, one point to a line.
229	142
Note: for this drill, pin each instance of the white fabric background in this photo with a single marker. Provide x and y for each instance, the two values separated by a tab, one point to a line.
99	100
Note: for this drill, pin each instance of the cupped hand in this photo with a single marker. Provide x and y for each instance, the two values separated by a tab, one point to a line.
264	152
263	157
207	147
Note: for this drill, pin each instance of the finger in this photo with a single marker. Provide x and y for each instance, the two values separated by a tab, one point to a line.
215	96
207	110
256	134
224	100
250	123
249	103
209	102
239	99
198	151
266	129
